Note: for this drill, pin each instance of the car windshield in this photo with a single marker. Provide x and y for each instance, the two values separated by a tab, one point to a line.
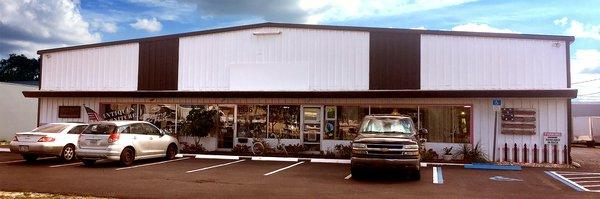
50	128
99	129
387	125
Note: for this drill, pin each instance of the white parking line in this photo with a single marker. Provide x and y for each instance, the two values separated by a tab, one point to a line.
65	165
348	177
4	150
336	161
15	161
218	157
214	166
282	159
150	164
577	178
284	168
438	178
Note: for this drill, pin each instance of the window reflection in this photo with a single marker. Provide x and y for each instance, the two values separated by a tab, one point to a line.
449	124
284	121
252	121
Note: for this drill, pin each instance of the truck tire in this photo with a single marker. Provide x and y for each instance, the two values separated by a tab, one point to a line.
415	175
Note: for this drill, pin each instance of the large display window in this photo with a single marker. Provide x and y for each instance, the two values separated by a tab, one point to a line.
252	121
343	122
117	111
284	122
449	124
161	115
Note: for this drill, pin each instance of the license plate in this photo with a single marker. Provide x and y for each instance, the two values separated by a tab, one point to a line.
23	148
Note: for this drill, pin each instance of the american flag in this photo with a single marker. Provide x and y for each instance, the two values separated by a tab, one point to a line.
92	115
518	121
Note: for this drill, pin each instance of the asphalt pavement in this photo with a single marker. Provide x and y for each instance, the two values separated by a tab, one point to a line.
209	178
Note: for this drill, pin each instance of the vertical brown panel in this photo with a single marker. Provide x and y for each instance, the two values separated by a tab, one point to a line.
158	64
395	61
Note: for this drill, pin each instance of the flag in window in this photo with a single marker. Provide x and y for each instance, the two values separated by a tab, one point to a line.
92	115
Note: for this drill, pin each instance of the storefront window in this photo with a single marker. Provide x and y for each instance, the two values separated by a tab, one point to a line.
197	121
252	121
284	121
404	111
111	112
348	122
450	124
161	115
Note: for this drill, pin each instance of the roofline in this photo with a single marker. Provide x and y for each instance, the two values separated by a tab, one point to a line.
557	93
569	39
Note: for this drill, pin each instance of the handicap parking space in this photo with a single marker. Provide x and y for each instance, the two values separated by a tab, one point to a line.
579	181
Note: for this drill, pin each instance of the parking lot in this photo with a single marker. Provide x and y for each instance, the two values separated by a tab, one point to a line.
190	177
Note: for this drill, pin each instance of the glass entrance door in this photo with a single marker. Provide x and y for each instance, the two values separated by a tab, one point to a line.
312	127
227	121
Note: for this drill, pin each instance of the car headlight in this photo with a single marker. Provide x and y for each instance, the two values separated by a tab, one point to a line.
411	153
411	146
359	145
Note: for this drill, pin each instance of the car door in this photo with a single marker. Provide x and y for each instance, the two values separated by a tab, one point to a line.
155	145
140	139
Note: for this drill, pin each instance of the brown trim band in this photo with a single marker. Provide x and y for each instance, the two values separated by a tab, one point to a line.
568	39
567	93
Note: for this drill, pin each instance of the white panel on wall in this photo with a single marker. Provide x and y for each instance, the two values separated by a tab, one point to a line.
467	63
109	68
269	77
336	60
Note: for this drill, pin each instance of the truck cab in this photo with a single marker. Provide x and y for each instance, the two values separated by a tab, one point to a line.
386	142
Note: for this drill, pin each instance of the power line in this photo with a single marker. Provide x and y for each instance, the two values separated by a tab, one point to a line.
591	80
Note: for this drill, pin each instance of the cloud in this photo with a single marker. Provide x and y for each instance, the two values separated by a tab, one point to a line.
28	26
585	66
581	30
107	27
480	27
298	11
150	25
561	22
419	28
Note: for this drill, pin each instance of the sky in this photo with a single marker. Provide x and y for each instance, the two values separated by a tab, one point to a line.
30	25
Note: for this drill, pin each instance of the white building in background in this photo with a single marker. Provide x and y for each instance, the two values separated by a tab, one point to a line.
17	113
311	85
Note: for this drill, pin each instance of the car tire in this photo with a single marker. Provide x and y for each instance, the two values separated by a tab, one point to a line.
89	162
415	175
68	153
171	152
127	157
30	158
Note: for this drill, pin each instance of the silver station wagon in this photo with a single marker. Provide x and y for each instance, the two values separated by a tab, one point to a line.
125	141
54	139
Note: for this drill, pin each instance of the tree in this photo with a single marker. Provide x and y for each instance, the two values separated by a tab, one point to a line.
19	68
200	123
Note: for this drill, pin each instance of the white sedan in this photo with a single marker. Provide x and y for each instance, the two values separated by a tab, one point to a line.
54	139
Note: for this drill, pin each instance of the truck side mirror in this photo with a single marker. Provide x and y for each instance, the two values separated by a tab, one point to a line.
423	132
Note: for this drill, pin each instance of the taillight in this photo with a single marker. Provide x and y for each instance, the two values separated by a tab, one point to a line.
113	137
15	138
46	139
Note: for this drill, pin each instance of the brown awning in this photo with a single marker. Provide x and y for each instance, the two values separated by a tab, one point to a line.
563	93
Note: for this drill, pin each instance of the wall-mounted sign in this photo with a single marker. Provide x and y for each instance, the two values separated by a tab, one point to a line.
496	104
552	138
69	112
518	121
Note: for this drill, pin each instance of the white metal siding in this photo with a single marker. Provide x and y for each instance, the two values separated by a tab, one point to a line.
109	68
336	60
460	63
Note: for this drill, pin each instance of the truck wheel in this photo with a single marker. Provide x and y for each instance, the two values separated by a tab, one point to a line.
590	144
357	173
415	175
88	163
30	158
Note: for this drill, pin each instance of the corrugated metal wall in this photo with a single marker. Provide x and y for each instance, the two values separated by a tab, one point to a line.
337	60
458	62
551	114
110	68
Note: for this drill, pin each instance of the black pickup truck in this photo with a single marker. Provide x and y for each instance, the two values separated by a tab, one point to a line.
386	142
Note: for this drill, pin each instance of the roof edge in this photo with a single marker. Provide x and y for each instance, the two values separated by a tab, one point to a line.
569	39
560	93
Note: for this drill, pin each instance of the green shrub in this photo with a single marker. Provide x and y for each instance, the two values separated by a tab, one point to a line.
474	154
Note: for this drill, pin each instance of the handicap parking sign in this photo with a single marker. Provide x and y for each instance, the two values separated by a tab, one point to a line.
497	104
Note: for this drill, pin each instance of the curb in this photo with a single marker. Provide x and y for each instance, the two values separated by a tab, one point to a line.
265	158
5	150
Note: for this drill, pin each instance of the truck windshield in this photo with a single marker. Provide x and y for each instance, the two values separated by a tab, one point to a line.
387	125
99	129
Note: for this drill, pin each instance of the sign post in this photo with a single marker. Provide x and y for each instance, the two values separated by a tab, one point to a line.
496	104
